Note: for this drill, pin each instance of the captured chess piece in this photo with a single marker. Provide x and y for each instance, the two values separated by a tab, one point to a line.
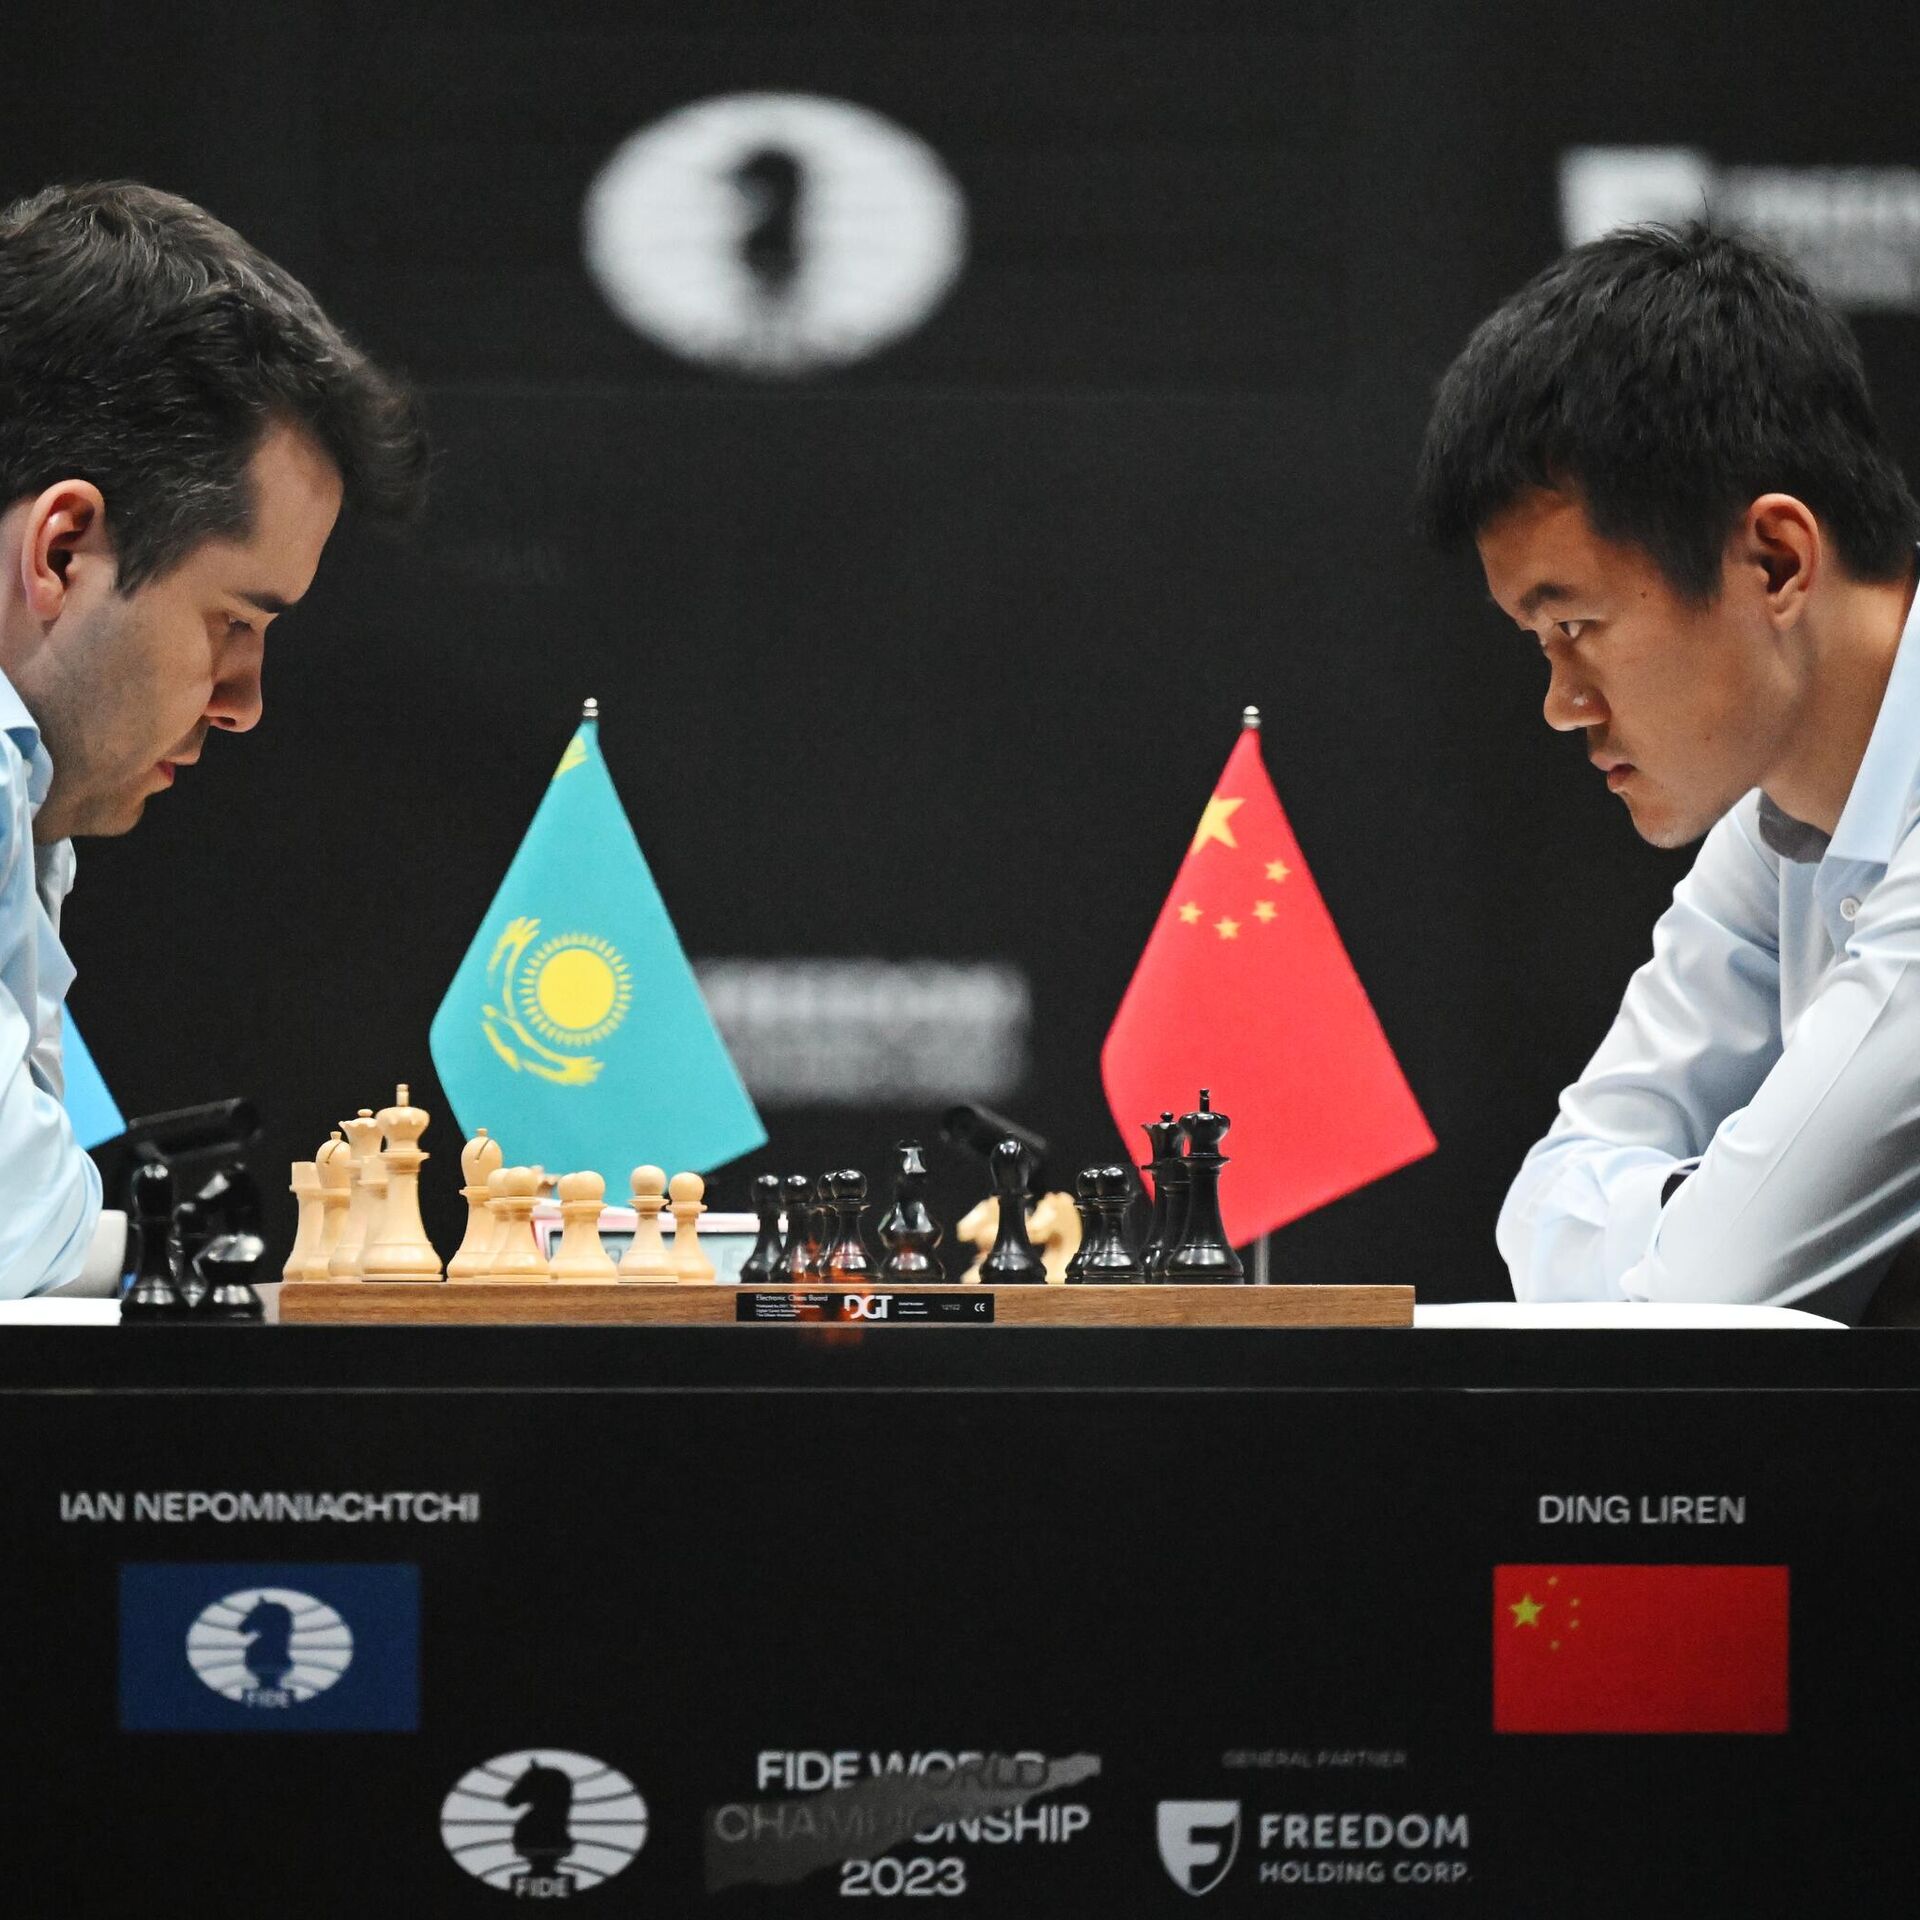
511	1194
646	1255
153	1295
909	1232
400	1250
305	1189
1013	1261
334	1163
793	1251
581	1254
479	1159
1106	1256
848	1261
687	1192
1167	1171
1203	1252
363	1141
762	1265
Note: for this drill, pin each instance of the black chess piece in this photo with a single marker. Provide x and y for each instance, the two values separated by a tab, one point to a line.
1106	1257
1013	1262
793	1254
763	1263
1167	1171
819	1229
909	1232
848	1260
1202	1251
153	1295
190	1231
227	1267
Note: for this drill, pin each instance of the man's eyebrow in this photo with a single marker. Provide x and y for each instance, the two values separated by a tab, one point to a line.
268	602
1546	593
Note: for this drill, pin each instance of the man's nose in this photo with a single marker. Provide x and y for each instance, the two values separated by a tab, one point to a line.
235	703
1572	702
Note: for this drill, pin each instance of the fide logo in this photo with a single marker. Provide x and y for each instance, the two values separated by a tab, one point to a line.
774	234
543	1824
1198	1841
269	1647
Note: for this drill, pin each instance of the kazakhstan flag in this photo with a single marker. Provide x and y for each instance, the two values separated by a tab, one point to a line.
574	1030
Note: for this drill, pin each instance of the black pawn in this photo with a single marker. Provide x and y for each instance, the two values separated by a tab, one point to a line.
1106	1257
849	1261
793	1255
1013	1261
763	1263
820	1225
153	1295
1167	1172
1202	1251
909	1232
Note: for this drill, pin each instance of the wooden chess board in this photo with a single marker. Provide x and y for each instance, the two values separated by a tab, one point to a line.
642	1303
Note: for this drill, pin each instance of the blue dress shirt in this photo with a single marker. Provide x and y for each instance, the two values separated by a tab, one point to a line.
1770	1050
49	1189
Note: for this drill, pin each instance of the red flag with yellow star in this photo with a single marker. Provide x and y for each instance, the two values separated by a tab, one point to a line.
1246	989
1617	1649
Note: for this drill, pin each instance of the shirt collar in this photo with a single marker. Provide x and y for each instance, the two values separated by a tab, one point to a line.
1883	795
18	724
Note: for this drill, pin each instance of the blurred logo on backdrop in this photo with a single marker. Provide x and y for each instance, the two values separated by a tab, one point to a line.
1853	231
871	1033
543	1824
775	234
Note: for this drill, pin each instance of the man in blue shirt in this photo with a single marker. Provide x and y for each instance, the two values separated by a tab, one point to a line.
1664	451
180	426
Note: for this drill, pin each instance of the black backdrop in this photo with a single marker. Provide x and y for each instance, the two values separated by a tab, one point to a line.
941	654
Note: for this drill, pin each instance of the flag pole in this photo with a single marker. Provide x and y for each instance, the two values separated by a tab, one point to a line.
1262	1249
1250	717
589	709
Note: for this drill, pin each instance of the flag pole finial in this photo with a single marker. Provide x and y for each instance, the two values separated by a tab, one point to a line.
590	708
1250	717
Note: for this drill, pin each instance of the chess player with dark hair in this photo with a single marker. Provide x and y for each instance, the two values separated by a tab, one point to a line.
1664	450
180	425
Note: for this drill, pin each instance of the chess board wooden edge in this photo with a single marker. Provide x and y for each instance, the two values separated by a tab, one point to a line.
629	1303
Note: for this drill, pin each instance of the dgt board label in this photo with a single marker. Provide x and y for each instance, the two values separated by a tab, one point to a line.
855	1306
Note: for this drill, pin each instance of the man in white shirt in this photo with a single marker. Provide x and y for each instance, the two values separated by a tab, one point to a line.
179	427
1664	451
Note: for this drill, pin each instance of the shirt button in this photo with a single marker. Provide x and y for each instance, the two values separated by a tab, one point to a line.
1849	907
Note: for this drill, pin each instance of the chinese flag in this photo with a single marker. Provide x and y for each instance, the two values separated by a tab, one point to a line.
1245	989
1639	1649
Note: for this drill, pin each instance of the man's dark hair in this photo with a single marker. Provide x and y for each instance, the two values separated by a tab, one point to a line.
146	347
1671	376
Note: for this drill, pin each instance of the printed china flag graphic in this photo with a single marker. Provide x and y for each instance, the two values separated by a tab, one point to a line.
1616	1649
1245	989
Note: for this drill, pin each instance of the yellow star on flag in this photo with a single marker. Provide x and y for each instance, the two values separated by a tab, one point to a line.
1190	912
1526	1611
1227	929
1263	910
1277	869
1216	823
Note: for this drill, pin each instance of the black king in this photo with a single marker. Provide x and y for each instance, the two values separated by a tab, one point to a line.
1202	1252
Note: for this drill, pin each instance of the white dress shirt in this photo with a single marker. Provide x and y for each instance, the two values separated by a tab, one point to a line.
1770	1050
49	1188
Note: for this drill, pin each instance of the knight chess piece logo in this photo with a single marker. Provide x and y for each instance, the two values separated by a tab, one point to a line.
776	234
269	1647
543	1824
1199	1840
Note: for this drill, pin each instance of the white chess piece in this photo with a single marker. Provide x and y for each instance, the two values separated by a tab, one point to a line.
690	1261
478	1158
335	1166
305	1189
512	1192
580	1255
646	1258
401	1250
363	1141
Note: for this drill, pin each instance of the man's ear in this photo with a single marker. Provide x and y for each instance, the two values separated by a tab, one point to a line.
1781	537
65	526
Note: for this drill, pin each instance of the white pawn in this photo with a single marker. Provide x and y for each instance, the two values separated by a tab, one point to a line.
306	1190
512	1193
335	1165
646	1258
478	1158
580	1255
689	1257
